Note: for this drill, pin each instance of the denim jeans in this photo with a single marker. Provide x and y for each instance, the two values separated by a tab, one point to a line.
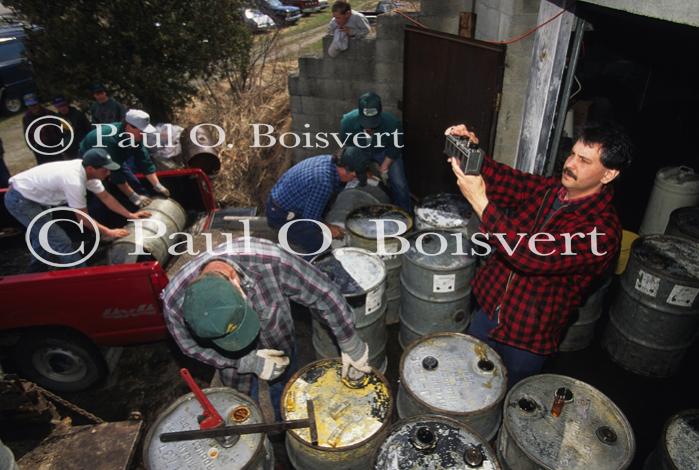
25	210
398	182
306	236
276	386
519	362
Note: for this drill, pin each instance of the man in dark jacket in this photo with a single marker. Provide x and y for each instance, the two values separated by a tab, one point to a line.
77	126
4	172
43	141
105	109
551	238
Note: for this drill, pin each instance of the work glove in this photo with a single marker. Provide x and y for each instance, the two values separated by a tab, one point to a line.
139	200
267	364
162	190
355	353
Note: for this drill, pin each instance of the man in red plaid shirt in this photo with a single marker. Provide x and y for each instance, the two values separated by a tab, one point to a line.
554	238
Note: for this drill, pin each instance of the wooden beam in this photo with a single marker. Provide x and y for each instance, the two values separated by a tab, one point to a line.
548	64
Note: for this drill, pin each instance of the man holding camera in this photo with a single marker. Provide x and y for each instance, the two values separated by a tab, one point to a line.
555	236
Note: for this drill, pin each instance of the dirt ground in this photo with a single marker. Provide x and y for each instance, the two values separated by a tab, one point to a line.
18	157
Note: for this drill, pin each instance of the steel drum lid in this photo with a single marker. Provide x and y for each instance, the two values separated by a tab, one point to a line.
360	222
673	256
590	432
434	442
353	270
204	453
346	417
682	439
454	373
438	253
444	210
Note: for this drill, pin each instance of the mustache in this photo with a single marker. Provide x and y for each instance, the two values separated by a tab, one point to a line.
570	173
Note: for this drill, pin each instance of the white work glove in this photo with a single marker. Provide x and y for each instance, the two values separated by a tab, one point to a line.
355	353
267	364
139	200
162	190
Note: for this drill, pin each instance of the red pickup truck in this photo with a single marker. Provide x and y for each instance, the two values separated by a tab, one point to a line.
57	325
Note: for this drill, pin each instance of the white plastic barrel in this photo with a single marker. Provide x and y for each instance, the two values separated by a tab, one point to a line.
675	187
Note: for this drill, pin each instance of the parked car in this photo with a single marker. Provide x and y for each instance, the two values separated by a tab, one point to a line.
16	77
323	4
257	21
306	6
282	14
383	6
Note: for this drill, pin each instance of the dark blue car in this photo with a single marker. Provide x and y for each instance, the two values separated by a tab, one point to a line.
282	14
15	71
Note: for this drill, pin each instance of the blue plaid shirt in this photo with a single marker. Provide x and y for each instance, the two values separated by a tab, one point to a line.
306	187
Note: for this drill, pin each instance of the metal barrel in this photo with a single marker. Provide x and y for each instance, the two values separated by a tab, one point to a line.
684	222
443	211
434	442
167	212
362	234
655	315
361	277
679	444
435	285
453	375
199	149
589	431
353	198
251	451
352	418
581	333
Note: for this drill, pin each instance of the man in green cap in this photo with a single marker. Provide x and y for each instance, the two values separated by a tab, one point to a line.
303	192
230	309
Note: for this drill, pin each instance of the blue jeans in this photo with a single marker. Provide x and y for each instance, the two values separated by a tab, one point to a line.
519	362
276	387
25	210
307	236
398	182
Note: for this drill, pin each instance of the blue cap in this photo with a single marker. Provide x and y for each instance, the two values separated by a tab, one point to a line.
30	99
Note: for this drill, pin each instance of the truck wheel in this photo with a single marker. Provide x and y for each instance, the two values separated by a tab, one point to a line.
59	361
11	104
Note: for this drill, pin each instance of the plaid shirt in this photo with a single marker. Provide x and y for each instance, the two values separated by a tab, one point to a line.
307	187
270	277
534	296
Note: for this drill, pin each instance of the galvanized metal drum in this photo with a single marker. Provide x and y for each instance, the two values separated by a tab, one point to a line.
443	211
581	333
251	451
679	444
435	285
554	422
362	232
352	417
454	375
434	442
684	222
199	149
164	212
655	316
361	277
353	198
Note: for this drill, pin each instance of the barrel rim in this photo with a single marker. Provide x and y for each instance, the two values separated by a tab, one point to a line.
439	418
663	437
376	257
496	404
190	396
378	432
652	269
435	196
393	207
595	390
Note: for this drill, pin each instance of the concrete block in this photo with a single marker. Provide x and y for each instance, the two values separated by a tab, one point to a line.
293	84
295	104
445	7
359	49
315	67
390	27
312	105
305	122
389	51
388	72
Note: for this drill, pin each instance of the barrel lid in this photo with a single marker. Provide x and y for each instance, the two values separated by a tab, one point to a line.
434	442
682	439
360	222
437	249
345	416
686	220
234	408
353	270
453	373
590	432
444	210
674	256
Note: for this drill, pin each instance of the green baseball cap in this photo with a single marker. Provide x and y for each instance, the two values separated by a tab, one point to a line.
369	105
214	309
357	160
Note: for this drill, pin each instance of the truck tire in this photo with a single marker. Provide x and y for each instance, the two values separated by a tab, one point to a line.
11	104
59	361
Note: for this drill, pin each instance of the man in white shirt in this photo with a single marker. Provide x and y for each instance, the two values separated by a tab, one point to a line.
64	183
344	25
